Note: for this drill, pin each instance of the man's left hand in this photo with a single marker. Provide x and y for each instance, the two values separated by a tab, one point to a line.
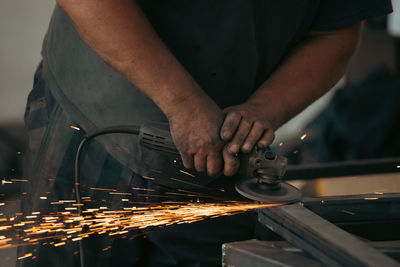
244	126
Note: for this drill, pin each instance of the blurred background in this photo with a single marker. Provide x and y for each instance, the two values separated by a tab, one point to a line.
23	25
352	132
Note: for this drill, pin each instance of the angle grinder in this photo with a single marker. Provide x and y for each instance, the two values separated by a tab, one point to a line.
260	170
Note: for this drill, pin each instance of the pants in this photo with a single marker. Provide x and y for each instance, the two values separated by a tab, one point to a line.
52	148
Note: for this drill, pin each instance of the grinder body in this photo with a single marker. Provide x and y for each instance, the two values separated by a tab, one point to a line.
260	170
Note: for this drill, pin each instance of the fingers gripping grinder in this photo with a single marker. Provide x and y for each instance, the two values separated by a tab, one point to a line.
261	169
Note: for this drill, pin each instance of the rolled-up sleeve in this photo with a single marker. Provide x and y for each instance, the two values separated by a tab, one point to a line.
338	14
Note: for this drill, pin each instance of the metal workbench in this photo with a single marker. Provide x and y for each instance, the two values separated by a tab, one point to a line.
352	230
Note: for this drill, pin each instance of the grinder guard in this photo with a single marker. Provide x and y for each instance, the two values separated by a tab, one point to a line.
262	171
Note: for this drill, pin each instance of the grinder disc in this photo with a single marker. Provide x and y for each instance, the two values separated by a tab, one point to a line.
254	190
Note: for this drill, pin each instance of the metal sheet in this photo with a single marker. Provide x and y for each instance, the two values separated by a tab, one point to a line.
256	253
322	239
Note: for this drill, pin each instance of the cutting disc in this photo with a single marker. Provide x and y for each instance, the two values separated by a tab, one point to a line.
254	190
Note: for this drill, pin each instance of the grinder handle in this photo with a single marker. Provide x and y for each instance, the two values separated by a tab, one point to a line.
157	136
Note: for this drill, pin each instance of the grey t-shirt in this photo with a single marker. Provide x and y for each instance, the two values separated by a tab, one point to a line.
229	47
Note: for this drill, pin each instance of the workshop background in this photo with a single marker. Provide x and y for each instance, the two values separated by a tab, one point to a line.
358	120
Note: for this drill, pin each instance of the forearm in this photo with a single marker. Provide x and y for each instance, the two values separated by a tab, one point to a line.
122	36
309	71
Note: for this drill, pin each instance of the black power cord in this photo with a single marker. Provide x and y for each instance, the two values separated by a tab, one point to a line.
121	129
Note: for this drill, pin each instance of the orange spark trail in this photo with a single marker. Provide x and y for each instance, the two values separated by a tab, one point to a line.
63	227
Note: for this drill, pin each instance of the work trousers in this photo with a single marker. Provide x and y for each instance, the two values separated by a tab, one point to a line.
53	145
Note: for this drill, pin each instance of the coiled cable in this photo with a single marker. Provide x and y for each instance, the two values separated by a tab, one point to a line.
121	129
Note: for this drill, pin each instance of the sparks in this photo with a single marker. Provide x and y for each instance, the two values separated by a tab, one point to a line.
19	180
102	189
348	212
25	256
60	228
75	128
187	173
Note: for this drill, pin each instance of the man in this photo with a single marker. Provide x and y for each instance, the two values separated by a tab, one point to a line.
224	74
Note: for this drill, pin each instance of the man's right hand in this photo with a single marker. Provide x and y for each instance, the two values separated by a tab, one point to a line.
195	124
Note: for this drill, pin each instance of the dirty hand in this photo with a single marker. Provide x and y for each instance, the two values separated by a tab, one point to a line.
195	128
244	126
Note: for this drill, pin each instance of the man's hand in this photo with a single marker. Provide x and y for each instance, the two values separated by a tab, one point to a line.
244	126
195	128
